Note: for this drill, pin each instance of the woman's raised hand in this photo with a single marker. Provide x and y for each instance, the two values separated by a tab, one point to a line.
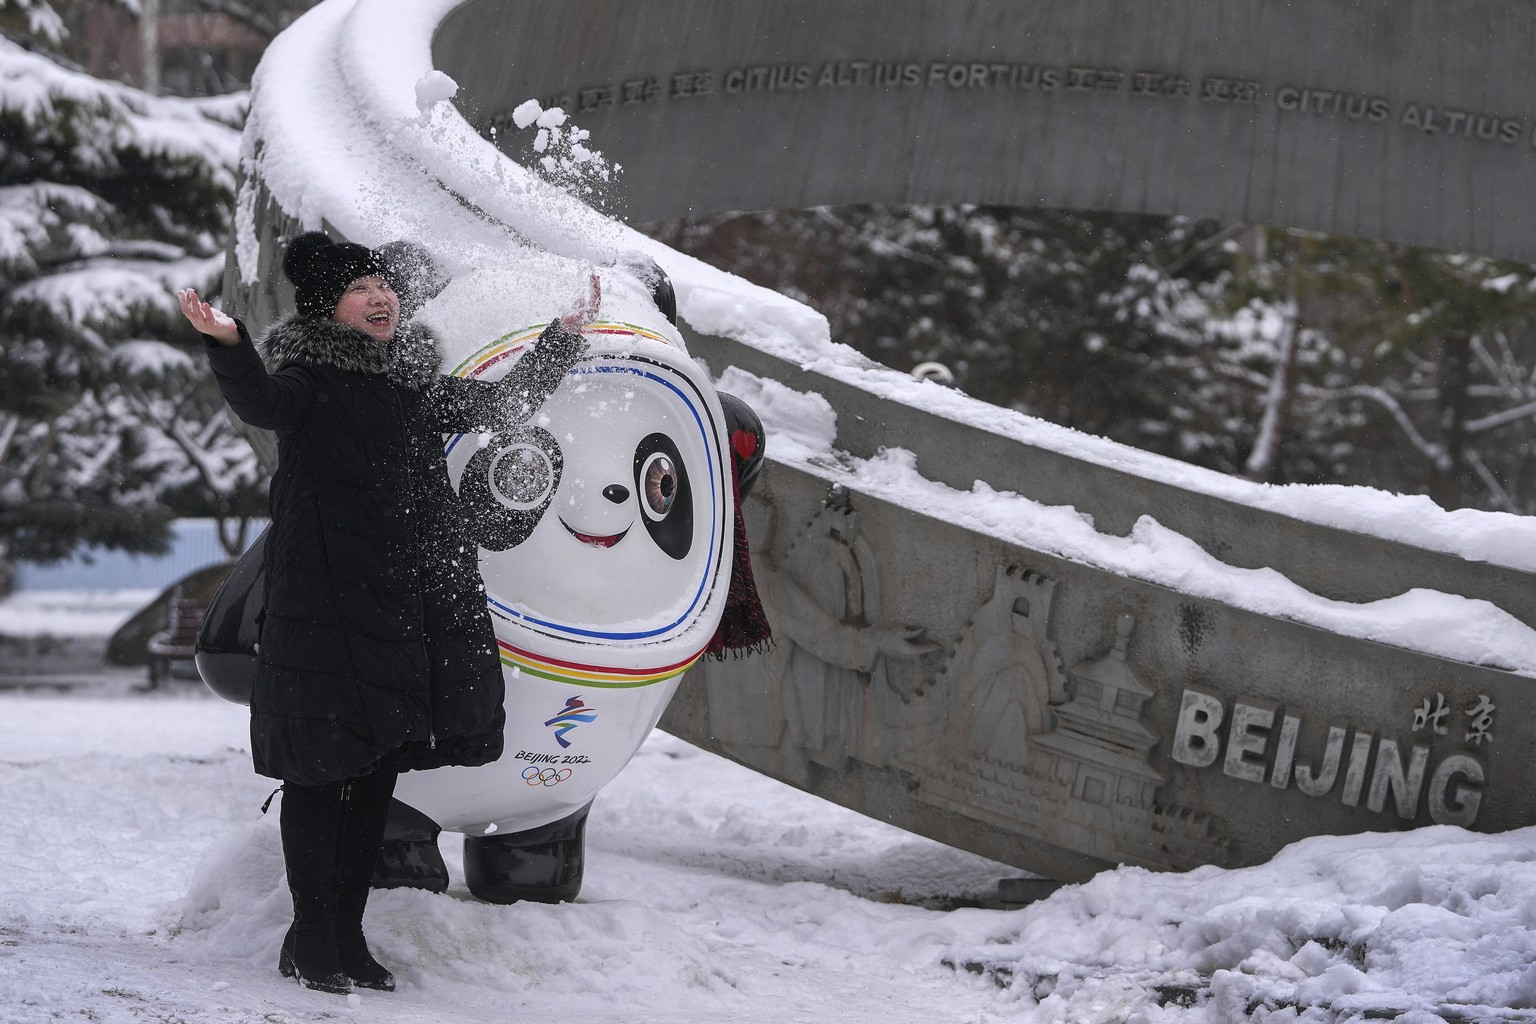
586	308
206	319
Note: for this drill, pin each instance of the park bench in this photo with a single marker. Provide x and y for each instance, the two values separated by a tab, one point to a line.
177	642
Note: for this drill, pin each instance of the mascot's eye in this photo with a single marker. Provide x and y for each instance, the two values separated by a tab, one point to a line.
507	486
522	476
659	478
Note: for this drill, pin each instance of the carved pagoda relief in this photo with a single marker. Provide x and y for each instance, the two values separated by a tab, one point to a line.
1065	756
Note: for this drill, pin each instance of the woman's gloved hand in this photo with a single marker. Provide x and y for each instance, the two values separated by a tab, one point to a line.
586	308
560	347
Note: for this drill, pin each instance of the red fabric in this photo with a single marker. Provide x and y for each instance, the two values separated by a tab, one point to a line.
744	627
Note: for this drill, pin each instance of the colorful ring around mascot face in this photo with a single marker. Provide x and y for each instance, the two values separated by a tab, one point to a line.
606	527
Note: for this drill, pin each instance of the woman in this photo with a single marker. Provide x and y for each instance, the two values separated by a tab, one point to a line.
376	653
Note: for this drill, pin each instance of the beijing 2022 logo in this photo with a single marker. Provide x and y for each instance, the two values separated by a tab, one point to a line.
574	714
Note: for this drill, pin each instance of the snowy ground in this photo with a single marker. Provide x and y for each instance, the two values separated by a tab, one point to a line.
140	883
77	614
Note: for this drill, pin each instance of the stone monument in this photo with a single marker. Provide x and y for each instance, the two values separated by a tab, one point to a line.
1039	710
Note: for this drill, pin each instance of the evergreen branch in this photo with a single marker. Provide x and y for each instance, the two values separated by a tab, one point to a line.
1277	395
257	21
10	426
1435	453
1498	419
1485	358
1496	491
172	425
144	405
1199	249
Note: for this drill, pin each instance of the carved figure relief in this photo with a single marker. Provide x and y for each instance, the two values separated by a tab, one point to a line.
1012	666
832	645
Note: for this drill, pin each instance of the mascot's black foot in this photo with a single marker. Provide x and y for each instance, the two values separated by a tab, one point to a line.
541	865
409	858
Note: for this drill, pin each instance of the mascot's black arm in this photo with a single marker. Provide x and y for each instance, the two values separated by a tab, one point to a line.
276	401
460	405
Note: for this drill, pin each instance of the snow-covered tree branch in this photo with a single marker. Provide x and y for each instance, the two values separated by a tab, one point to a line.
110	199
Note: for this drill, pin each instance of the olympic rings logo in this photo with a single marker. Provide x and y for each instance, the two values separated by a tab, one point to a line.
536	776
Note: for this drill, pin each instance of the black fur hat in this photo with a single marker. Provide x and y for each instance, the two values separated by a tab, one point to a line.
321	269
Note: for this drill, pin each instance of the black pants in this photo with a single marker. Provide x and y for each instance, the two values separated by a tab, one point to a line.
331	837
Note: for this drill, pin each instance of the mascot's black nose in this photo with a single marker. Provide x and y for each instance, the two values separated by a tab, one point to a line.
616	493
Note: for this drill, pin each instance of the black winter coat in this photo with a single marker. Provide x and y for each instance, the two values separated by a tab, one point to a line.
376	649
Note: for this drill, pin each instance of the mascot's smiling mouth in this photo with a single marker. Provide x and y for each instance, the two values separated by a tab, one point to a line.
597	542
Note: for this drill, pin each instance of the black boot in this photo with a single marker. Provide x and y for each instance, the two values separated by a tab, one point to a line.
310	822
362	832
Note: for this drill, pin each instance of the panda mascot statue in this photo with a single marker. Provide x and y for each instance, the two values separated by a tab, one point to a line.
614	558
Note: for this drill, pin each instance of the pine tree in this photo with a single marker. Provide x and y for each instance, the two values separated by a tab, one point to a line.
1059	314
110	199
1413	367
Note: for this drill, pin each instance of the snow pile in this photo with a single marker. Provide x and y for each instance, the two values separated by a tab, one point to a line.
1435	925
147	886
1497	537
385	158
433	88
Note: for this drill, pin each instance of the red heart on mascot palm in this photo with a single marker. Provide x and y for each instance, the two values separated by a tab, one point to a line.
745	443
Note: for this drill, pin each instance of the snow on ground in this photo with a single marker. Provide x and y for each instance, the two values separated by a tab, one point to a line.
141	883
70	613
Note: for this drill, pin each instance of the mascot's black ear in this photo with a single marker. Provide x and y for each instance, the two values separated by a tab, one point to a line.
664	297
656	281
747	438
412	273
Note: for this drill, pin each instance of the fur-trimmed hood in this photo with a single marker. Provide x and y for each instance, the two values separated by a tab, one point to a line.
412	358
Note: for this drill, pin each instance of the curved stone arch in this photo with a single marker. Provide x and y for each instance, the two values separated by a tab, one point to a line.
1409	121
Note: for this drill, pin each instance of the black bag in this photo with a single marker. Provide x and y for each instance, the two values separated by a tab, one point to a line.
226	641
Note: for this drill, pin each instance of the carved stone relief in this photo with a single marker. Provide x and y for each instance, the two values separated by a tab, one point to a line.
1061	756
1008	703
836	658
